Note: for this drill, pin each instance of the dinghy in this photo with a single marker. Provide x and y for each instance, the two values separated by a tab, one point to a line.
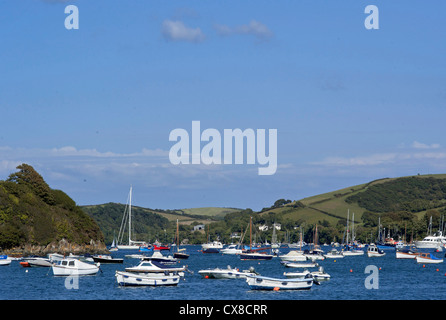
426	257
267	283
406	254
133	279
291	264
107	259
228	273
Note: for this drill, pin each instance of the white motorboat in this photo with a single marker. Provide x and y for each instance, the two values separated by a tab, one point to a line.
70	267
291	264
149	267
315	254
231	249
334	254
267	283
352	252
426	257
212	247
374	251
228	273
293	255
320	274
4	260
133	279
430	242
54	257
160	260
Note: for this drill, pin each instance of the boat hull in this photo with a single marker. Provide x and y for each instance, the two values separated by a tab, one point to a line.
131	279
255	256
75	268
428	258
266	283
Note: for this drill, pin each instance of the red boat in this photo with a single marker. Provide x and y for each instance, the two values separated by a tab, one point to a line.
161	247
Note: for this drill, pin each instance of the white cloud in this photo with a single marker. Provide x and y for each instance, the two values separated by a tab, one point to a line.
419	145
255	28
177	31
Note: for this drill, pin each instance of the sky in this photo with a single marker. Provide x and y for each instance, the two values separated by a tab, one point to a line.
92	108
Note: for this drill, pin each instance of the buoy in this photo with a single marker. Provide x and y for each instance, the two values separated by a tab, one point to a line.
334	260
424	266
351	270
379	268
206	277
276	289
438	270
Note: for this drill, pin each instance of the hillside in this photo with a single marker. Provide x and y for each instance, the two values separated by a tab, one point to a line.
34	217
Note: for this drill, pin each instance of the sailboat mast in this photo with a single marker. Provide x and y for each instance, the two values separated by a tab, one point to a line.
130	216
250	234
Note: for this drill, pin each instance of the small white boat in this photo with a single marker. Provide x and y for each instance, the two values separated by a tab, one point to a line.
70	266
334	254
293	255
291	264
231	249
149	267
267	283
4	260
426	257
212	247
320	274
315	254
374	251
302	274
133	279
406	254
228	273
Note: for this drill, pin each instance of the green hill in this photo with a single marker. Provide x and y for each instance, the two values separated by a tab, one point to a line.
34	217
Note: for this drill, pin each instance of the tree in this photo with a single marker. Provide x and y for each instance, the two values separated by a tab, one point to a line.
31	178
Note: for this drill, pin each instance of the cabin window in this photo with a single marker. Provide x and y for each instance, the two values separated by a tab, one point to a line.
64	263
71	263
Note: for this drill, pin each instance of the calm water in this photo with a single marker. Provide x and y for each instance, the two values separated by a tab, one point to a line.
398	280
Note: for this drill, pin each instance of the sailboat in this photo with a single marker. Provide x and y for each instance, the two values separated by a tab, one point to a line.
254	254
132	245
179	254
351	251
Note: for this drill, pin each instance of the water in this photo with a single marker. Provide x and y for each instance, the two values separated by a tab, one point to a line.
398	280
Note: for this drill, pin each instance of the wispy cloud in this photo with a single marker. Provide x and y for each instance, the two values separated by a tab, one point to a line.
255	28
419	145
178	31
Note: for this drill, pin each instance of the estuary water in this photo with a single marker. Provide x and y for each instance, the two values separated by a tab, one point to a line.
394	279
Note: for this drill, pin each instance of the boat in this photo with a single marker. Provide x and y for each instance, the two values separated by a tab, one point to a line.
351	249
147	248
54	257
301	274
406	253
427	257
161	247
36	262
70	266
160	260
180	254
267	283
228	273
231	249
320	274
132	245
132	279
315	254
293	255
254	254
374	251
149	267
4	260
430	242
107	259
291	264
334	254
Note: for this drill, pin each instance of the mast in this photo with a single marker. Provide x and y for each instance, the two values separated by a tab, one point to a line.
250	234
130	216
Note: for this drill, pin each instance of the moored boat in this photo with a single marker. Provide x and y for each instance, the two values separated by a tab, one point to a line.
427	257
293	255
291	264
36	262
107	259
5	260
334	254
374	251
150	267
132	279
406	253
228	273
267	283
70	266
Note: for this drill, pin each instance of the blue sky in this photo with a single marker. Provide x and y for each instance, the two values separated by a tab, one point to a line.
91	109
